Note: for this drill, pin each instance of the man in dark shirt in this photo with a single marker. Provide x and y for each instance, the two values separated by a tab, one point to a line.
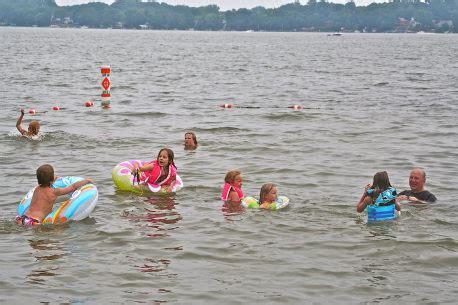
417	192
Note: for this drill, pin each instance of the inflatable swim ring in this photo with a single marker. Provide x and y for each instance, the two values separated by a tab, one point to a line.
79	205
253	203
124	180
378	213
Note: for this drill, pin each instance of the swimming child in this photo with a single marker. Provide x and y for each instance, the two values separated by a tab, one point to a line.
380	193
190	141
267	195
34	127
44	196
159	172
232	188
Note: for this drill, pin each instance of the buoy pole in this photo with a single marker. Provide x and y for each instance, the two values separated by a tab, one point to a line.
106	86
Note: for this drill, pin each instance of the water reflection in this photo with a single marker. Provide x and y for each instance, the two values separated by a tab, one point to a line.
155	214
38	276
43	245
45	250
230	209
153	265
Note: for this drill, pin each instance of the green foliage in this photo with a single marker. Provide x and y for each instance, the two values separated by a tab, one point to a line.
316	15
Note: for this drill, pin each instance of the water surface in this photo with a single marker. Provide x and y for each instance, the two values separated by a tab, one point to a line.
372	102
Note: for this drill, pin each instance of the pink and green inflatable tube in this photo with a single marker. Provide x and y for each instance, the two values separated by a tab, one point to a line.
125	181
253	203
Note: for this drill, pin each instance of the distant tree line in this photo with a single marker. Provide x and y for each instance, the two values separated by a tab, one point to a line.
395	16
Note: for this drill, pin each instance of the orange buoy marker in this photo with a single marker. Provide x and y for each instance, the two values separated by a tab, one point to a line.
32	111
106	85
89	103
226	105
296	107
56	108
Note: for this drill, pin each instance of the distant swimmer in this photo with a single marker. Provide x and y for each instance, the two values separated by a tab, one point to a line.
190	141
34	127
417	192
379	194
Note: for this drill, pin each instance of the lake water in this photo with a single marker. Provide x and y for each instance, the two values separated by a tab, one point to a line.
372	102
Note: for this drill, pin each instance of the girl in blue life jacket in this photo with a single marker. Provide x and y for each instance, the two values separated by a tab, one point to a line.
379	198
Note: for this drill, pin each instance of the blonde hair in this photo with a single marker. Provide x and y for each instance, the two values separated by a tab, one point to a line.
230	176
265	189
34	127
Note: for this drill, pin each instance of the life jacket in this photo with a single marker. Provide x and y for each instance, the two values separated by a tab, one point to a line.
151	177
383	207
384	198
377	213
227	189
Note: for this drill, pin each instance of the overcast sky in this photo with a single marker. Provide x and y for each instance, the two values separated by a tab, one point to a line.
225	4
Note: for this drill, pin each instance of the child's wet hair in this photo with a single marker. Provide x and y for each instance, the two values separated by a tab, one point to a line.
45	175
34	127
380	183
265	189
230	176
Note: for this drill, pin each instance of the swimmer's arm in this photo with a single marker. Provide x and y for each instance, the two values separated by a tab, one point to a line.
409	198
146	167
415	199
233	197
265	205
71	188
398	206
363	202
19	122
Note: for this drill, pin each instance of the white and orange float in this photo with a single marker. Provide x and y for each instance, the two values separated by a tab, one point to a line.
106	86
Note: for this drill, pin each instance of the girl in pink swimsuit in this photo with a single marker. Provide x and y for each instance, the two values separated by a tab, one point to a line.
232	188
160	172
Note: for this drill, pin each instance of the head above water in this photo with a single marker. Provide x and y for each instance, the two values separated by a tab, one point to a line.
165	152
34	128
268	193
45	175
234	177
381	181
417	180
190	140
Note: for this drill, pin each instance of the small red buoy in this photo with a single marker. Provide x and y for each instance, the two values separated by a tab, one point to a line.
89	103
296	107
227	105
32	111
55	108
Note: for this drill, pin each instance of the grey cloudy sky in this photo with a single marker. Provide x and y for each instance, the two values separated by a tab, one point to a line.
224	4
